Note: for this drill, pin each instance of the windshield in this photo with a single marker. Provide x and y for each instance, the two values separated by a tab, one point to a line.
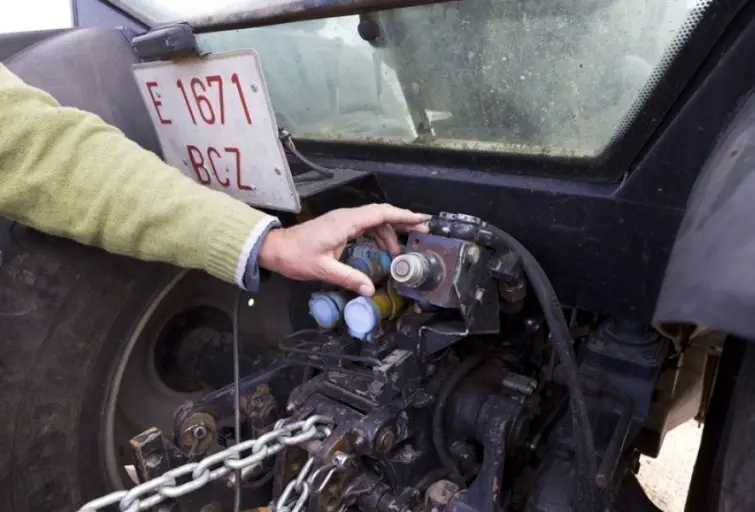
554	77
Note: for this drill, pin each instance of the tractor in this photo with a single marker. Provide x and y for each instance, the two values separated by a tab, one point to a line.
584	288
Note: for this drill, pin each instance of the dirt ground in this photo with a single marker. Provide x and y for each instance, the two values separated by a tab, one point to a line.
666	478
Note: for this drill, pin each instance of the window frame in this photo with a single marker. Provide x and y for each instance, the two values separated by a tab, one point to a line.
611	165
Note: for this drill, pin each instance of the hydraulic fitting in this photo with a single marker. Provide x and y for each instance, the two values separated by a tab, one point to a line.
363	315
417	269
327	308
371	261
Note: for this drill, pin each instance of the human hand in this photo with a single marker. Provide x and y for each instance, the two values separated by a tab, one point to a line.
311	250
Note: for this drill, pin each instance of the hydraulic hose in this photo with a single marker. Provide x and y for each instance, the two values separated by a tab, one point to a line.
288	143
439	415
237	392
490	236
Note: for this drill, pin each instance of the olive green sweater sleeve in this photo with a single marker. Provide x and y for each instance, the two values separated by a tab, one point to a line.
68	173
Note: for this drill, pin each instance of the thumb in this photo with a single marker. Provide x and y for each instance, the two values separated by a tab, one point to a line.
335	272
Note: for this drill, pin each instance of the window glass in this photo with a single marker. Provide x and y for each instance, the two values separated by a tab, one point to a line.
551	77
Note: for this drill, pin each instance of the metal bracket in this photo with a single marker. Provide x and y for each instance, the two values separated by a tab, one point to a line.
166	43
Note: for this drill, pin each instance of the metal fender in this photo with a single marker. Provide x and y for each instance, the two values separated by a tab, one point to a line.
710	277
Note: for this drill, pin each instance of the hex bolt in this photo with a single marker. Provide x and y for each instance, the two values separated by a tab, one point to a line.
199	432
342	461
386	439
359	440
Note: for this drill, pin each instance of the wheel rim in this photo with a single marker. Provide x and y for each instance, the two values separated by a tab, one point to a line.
139	398
264	324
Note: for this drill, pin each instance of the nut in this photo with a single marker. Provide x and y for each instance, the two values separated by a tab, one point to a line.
386	439
200	432
358	439
197	432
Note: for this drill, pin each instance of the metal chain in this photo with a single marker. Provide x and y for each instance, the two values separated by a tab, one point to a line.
216	466
297	492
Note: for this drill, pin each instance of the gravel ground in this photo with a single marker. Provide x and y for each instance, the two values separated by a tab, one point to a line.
666	478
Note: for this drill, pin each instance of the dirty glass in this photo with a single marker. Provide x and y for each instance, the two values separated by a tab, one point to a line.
529	76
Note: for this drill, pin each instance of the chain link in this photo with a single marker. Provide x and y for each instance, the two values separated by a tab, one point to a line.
297	492
219	465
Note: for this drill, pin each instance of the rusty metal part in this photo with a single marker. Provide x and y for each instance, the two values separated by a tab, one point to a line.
450	254
440	494
386	440
272	12
458	277
329	452
261	409
197	433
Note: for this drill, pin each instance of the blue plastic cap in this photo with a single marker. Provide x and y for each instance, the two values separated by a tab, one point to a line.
361	265
371	261
326	309
385	260
362	317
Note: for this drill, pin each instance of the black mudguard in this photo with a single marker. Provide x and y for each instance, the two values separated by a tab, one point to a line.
710	278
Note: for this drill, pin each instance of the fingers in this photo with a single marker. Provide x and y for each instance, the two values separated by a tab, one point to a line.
367	217
386	239
419	228
336	273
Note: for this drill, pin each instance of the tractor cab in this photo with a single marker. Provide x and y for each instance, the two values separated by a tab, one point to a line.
585	286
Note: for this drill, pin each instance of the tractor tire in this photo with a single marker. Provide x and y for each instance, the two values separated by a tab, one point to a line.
68	318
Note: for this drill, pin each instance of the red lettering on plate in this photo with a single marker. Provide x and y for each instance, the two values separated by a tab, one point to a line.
180	85
217	80
197	162
156	102
242	96
242	186
215	159
203	104
210	152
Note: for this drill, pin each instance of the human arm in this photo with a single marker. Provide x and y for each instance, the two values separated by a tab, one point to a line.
67	172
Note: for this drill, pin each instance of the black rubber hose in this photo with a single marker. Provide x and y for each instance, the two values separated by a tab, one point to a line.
237	392
439	416
499	240
288	143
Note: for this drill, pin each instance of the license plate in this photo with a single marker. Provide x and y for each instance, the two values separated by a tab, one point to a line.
215	123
